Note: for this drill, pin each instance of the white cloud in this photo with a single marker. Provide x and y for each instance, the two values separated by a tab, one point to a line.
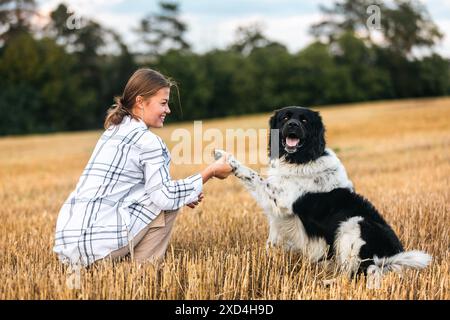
209	29
93	9
84	7
292	30
98	10
443	48
208	32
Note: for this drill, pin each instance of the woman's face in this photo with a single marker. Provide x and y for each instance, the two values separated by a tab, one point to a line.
153	110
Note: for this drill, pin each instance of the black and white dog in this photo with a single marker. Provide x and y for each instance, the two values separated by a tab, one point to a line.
311	205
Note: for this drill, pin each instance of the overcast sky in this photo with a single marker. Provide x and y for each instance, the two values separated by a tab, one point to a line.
212	24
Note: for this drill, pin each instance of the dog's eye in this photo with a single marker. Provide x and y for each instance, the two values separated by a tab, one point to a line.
303	119
285	118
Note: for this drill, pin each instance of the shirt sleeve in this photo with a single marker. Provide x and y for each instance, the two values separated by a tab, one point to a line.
167	194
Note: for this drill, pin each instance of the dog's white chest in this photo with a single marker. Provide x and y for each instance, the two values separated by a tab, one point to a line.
290	188
295	180
291	182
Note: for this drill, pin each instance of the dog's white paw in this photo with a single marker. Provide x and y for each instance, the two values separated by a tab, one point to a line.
233	163
270	245
218	154
329	282
374	277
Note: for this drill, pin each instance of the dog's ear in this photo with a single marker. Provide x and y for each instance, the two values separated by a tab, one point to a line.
273	119
319	136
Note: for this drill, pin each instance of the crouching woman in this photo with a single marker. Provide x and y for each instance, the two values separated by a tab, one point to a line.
125	201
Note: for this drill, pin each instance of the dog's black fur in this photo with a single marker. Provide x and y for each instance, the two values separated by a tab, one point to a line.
322	213
306	125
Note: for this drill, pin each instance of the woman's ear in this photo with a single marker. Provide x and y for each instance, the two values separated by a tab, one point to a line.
139	101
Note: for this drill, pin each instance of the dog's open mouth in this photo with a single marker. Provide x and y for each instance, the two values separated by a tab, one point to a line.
291	143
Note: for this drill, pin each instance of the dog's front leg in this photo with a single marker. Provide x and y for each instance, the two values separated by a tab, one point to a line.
265	193
250	178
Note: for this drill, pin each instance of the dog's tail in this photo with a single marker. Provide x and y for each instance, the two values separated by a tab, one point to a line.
407	259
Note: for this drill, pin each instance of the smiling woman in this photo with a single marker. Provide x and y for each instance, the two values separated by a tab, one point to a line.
125	202
157	108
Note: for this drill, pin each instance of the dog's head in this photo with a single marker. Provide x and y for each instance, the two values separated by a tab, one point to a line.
301	135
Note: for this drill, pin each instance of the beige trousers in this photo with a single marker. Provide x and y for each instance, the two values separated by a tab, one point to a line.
150	244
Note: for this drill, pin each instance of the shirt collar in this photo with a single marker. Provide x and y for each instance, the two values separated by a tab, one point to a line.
133	121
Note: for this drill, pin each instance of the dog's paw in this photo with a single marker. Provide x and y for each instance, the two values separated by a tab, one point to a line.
234	164
329	282
218	154
270	245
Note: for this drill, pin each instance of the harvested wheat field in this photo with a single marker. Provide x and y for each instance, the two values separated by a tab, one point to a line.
397	154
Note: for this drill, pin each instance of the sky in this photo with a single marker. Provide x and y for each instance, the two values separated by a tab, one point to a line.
212	24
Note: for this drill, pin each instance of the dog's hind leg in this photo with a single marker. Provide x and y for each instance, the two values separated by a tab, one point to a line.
348	244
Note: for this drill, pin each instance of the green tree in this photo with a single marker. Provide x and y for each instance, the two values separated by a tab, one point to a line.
344	16
15	17
266	86
40	89
316	79
163	31
101	71
60	28
248	38
434	73
223	67
369	81
389	69
194	89
408	25
116	69
405	24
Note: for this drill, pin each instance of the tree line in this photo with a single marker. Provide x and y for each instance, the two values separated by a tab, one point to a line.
58	78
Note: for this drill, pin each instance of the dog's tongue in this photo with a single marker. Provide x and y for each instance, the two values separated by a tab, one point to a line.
292	142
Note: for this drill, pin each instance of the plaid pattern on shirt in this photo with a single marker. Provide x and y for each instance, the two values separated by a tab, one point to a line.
124	186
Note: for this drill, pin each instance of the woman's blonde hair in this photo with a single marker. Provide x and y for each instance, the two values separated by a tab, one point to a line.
144	82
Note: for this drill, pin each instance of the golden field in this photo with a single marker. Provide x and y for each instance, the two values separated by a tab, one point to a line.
397	154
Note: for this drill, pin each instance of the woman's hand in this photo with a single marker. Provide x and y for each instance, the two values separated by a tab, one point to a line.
218	169
221	168
192	205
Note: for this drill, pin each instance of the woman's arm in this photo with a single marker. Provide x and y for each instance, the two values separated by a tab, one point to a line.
219	169
170	194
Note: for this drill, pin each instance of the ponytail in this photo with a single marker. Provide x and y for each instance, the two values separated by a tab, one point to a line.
116	113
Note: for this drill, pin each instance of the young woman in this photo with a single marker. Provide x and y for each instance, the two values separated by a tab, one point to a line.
125	202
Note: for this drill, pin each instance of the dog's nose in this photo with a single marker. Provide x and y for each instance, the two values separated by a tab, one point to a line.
293	124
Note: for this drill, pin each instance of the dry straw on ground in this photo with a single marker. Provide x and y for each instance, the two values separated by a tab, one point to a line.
396	153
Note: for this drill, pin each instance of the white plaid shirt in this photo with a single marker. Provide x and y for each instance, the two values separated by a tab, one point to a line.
124	186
